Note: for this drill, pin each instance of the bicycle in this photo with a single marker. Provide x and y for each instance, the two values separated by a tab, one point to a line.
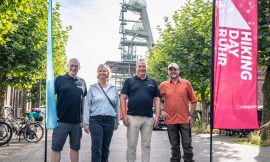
31	131
5	132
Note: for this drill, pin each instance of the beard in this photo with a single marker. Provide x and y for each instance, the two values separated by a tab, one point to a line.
174	76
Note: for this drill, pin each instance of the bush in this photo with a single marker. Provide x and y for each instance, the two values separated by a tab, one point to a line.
253	138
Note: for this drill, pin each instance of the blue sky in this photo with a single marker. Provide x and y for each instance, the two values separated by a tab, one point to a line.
94	38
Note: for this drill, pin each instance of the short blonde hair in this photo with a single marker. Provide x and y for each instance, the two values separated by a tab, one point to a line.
106	67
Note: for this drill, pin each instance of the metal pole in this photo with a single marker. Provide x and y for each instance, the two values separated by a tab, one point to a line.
212	81
39	99
45	150
39	96
39	103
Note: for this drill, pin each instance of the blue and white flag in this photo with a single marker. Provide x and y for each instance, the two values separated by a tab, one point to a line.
51	115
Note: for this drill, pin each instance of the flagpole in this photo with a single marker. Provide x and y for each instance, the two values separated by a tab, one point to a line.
212	80
51	118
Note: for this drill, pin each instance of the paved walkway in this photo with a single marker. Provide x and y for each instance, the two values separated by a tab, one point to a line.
224	150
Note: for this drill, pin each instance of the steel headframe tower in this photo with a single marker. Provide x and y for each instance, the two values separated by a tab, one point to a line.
135	29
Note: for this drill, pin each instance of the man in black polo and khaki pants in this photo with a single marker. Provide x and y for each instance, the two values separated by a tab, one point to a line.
142	92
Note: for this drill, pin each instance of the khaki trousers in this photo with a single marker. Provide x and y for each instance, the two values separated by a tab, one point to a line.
136	125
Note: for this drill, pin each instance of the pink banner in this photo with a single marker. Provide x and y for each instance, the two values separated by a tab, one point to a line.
235	74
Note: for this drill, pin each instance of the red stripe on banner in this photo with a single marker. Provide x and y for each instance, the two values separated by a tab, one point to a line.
235	67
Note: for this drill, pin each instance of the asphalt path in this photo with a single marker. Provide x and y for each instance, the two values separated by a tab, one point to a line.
224	149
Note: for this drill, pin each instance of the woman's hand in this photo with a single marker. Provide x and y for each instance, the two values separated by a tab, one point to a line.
86	128
116	126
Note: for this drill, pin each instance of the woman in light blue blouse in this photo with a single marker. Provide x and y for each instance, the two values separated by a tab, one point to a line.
100	115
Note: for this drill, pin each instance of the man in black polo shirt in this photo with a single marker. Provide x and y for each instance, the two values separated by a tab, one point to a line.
70	91
142	92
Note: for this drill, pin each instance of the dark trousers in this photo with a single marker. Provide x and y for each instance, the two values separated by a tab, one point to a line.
180	133
101	129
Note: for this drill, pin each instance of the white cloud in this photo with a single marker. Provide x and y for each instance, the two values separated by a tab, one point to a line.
95	36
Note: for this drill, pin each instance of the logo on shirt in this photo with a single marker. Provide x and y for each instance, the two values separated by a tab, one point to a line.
80	84
149	84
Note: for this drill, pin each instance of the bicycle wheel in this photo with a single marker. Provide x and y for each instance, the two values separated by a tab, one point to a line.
33	132
5	133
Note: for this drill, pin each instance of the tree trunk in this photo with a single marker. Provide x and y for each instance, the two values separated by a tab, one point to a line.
2	95
204	111
265	135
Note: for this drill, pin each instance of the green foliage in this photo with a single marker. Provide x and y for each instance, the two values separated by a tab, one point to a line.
23	42
186	41
264	32
23	37
59	43
200	130
21	47
264	60
252	139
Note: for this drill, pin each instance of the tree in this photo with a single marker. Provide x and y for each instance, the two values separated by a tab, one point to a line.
264	60
187	41
60	40
23	38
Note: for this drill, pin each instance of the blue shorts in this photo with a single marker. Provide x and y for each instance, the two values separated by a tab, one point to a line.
60	133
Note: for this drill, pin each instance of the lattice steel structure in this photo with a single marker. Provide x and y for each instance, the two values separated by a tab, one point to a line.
135	33
120	71
135	29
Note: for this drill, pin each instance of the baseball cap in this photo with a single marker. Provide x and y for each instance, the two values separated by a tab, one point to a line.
173	65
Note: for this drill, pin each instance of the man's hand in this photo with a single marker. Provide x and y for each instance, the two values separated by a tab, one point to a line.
190	120
156	119
165	115
123	104
125	120
86	129
265	125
